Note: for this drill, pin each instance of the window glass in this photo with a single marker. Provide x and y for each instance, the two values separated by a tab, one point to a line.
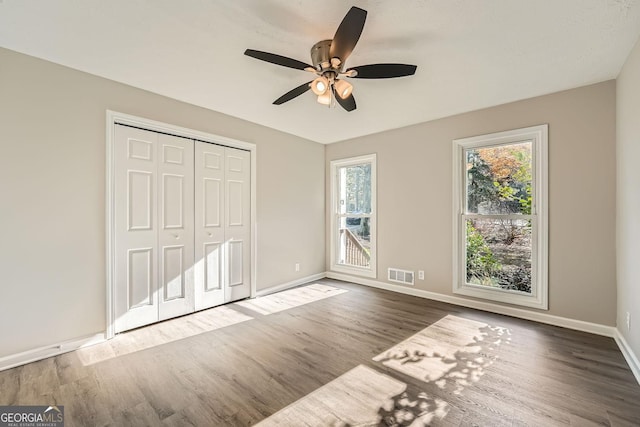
355	189
499	179
355	242
499	253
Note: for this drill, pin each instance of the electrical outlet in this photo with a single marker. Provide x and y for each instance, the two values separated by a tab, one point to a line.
628	321
421	274
297	266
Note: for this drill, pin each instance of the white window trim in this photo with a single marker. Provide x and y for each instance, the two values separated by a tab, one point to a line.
357	271
539	286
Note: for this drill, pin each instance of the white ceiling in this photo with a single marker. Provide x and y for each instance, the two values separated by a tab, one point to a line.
470	54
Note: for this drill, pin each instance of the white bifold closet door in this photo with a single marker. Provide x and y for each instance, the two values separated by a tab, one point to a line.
222	224
182	226
154	227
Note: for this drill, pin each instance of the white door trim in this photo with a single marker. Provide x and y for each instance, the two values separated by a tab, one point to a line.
114	117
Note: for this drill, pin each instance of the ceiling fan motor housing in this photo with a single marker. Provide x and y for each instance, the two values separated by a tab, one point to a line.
320	57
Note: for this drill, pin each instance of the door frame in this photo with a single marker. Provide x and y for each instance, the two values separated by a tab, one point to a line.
113	118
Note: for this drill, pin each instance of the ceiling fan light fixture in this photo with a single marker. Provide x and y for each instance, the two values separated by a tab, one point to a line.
328	58
320	85
325	98
343	88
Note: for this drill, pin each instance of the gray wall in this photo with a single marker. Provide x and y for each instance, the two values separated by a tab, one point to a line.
52	187
628	219
415	195
52	181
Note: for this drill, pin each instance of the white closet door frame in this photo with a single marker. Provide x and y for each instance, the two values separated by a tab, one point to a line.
113	118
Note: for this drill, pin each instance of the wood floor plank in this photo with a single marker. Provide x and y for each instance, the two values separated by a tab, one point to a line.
36	379
334	354
140	415
10	386
627	419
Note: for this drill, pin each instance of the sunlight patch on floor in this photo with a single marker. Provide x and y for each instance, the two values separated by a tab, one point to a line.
354	398
452	353
291	298
161	333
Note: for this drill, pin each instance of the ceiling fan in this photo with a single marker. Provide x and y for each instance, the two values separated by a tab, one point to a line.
328	57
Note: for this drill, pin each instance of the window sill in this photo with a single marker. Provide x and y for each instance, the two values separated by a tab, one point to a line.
354	271
499	295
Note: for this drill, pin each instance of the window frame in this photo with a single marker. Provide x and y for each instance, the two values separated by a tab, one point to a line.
335	165
538	135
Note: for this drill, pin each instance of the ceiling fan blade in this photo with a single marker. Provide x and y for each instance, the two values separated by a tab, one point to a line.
276	59
349	103
383	71
293	93
348	33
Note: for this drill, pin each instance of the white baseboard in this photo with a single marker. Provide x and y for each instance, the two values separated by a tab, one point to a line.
579	325
28	356
13	360
292	284
628	354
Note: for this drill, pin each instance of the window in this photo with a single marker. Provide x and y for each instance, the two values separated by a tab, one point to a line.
353	215
500	229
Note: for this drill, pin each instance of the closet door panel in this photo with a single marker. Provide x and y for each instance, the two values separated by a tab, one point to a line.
213	266
209	225
175	235
139	282
236	263
174	284
135	228
237	224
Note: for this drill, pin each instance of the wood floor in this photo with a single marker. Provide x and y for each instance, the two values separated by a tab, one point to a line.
337	354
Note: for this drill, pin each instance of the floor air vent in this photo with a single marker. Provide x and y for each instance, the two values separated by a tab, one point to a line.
401	276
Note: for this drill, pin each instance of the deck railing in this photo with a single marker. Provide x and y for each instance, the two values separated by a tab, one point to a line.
354	253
